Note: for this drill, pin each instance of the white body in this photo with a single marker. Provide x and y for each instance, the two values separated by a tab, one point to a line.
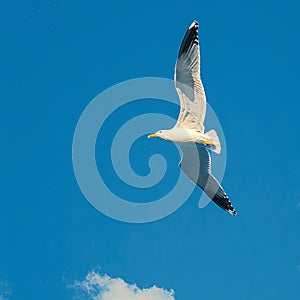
187	135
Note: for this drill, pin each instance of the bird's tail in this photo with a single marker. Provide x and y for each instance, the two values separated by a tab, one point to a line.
214	139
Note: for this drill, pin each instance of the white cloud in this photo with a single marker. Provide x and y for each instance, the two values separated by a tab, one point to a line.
103	287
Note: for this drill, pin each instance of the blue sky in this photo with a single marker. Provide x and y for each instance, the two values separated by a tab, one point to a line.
56	56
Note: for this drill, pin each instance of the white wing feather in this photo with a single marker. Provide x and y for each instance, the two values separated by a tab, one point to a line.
188	83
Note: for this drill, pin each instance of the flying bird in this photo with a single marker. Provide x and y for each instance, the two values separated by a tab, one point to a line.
188	131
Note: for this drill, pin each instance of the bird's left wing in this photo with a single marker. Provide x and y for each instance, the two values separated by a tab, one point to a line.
188	83
201	174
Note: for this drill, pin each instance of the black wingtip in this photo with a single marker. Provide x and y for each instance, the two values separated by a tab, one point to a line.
233	212
190	38
194	24
231	209
223	202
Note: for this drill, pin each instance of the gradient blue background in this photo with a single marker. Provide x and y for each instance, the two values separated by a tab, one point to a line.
58	55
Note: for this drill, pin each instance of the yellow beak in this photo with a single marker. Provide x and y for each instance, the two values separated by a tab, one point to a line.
150	136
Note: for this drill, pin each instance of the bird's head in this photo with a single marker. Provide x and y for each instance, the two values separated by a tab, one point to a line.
159	134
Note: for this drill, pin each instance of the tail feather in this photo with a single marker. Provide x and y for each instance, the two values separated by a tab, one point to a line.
213	137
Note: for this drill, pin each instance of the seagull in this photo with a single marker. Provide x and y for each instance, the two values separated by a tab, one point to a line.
188	131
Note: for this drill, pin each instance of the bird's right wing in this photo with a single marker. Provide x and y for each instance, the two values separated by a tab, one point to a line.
188	83
201	174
